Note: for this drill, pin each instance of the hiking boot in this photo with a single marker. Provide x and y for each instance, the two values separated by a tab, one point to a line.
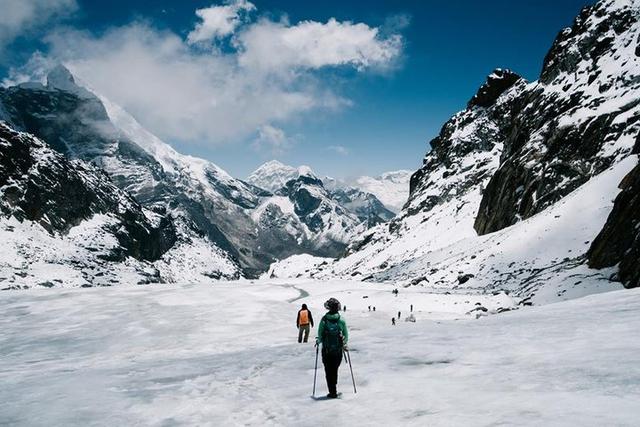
332	395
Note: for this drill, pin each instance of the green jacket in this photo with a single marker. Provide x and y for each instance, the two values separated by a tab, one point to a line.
341	323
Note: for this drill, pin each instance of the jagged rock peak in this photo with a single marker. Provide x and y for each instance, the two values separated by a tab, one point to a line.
497	83
597	33
578	120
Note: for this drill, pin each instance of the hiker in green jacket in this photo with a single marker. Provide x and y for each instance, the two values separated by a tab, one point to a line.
333	335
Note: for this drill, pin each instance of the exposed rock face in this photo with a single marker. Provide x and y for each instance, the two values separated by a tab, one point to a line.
619	240
445	192
75	123
497	82
575	122
518	149
304	216
455	162
331	226
41	185
201	198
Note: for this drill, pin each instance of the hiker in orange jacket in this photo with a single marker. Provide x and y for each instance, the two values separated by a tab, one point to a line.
303	321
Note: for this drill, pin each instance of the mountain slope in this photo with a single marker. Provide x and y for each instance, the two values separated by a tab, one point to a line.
202	199
390	188
41	185
304	211
304	216
576	121
274	175
64	223
531	167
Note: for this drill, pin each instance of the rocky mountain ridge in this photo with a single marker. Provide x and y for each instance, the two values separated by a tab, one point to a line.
65	223
511	165
202	202
274	176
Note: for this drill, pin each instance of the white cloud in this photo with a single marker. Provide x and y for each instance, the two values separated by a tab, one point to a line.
219	21
35	69
20	16
339	149
177	92
272	139
266	75
272	45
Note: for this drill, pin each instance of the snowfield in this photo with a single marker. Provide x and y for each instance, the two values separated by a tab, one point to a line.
225	354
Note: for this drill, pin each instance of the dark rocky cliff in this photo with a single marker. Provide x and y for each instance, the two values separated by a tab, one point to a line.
619	240
576	121
41	185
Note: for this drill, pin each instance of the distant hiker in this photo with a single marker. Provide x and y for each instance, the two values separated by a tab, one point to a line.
398	315
412	308
333	335
369	308
374	308
393	321
344	308
303	321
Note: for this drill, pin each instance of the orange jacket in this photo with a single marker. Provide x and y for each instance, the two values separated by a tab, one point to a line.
304	317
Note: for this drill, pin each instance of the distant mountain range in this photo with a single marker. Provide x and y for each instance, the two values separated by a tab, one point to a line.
216	226
531	189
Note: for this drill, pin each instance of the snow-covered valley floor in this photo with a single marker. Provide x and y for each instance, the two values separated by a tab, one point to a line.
226	354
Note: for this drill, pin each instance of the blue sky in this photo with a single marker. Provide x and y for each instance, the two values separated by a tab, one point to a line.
363	116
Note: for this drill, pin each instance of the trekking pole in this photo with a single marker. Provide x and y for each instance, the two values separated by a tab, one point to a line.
351	369
315	372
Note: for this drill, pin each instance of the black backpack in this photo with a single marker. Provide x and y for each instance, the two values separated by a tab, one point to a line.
332	336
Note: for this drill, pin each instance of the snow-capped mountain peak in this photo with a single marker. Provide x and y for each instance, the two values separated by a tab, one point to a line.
305	170
272	175
391	188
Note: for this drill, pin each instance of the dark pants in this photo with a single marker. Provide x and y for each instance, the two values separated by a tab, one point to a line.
331	363
303	330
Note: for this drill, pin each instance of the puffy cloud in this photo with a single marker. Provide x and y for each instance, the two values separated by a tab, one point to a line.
219	21
35	69
276	45
273	140
20	16
267	74
179	93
